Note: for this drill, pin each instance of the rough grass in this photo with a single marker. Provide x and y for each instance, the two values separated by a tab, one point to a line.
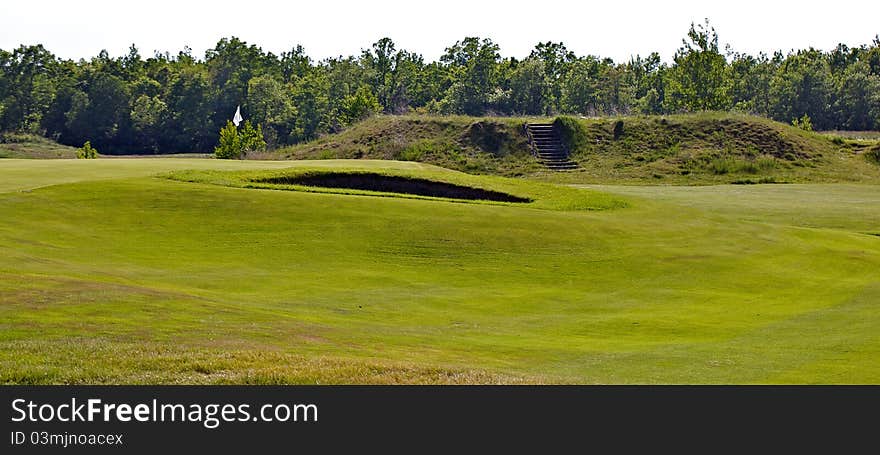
708	148
15	145
469	144
137	279
145	362
704	148
854	135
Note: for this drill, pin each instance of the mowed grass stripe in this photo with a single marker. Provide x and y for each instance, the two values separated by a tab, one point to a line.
24	174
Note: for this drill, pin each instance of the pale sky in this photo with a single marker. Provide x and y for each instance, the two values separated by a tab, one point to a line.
617	29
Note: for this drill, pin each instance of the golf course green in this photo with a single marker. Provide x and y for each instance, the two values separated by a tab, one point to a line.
169	270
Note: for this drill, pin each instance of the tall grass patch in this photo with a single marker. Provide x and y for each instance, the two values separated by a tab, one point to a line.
728	165
873	155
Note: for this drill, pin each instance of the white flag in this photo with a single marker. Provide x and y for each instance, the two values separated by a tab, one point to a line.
237	118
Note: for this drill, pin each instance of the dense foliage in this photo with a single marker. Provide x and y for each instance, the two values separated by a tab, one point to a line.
87	152
179	102
235	143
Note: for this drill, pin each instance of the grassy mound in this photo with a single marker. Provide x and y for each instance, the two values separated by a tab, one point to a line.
14	145
475	145
700	148
709	148
396	179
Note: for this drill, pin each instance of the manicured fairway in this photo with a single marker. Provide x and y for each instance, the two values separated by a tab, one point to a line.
109	274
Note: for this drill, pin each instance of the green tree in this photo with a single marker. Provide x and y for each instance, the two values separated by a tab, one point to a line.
432	83
235	144
596	87
580	86
698	79
100	112
473	65
380	61
76	119
310	97
251	138
803	86
857	100
615	94
557	61
229	146
529	88
395	76
270	104
231	64
189	98
644	78
295	64
147	116
27	87
360	105
410	86
345	76
750	82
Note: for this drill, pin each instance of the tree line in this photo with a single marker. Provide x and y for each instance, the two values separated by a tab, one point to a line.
175	103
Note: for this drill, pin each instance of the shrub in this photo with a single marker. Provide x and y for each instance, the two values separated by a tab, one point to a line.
234	144
87	152
229	146
15	138
252	138
574	135
362	104
803	123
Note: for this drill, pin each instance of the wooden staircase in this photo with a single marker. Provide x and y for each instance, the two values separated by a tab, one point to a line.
546	142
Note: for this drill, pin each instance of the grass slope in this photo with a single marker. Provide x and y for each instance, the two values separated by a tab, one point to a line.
711	148
138	279
704	148
469	144
14	145
537	195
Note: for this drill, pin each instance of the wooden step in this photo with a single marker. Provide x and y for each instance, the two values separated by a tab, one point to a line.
548	148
